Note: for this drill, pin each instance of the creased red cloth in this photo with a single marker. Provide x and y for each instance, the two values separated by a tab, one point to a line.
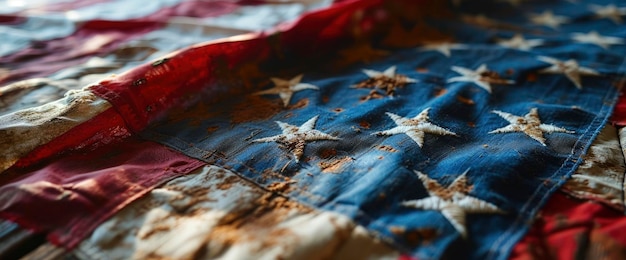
569	228
146	92
72	195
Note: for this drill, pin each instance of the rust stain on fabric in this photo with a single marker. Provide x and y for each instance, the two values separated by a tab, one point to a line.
334	166
364	124
387	148
212	129
228	182
283	187
327	153
465	100
415	237
440	92
300	104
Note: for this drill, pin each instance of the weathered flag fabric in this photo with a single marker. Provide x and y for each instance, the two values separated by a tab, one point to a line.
452	136
417	129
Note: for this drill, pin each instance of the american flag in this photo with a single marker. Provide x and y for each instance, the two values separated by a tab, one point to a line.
366	129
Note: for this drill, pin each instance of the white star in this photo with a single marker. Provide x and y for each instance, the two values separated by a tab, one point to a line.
294	138
547	18
529	124
454	202
519	42
570	68
594	38
387	80
415	127
286	88
388	73
610	11
481	77
443	47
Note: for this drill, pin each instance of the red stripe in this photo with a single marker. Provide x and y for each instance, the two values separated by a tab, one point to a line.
11	19
97	38
148	91
574	229
72	195
105	128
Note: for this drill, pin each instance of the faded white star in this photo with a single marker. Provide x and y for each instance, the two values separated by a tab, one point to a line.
387	80
594	38
454	201
415	127
294	138
570	68
610	12
530	124
286	88
547	18
481	77
519	42
443	47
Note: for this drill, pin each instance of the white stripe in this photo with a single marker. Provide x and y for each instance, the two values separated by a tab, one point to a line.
217	214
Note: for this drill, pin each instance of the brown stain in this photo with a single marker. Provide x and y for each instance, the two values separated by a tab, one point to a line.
374	94
417	237
510	72
602	246
338	110
341	233
228	183
465	100
212	129
300	104
327	153
194	196
461	186
492	77
113	242
364	124
387	148
471	124
334	166
256	222
388	84
283	187
397	230
422	70
532	77
272	201
154	230
255	108
269	173
440	92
